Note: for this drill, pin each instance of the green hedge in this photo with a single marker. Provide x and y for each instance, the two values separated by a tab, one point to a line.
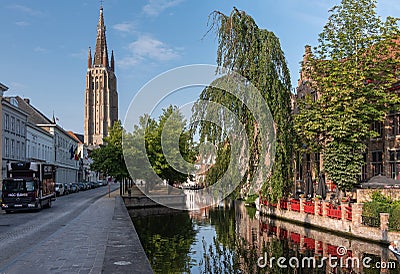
394	219
382	204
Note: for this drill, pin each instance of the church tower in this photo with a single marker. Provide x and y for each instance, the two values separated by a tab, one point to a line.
101	97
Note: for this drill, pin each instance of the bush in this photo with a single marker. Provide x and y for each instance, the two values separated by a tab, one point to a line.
376	196
372	209
383	204
394	218
251	199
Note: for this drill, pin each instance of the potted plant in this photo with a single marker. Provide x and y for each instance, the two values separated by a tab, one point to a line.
345	199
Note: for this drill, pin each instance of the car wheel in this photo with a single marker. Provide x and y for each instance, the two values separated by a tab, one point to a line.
8	211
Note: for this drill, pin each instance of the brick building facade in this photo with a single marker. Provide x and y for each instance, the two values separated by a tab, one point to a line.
383	152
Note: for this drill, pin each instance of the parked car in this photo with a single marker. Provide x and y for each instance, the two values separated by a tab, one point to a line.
88	186
81	186
74	187
66	189
59	189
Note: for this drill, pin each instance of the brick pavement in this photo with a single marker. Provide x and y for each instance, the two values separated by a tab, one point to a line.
101	239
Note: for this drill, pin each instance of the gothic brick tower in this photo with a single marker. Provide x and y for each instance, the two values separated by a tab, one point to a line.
101	97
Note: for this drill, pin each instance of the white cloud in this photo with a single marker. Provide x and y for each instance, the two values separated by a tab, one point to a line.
149	48
22	23
39	49
26	9
155	7
125	27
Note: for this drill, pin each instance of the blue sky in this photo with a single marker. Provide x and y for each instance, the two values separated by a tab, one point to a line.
44	43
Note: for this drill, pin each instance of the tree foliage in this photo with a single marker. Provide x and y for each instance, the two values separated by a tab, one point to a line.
135	150
165	144
352	70
108	158
171	138
255	54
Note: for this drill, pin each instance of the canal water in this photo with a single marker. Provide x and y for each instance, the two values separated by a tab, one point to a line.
232	238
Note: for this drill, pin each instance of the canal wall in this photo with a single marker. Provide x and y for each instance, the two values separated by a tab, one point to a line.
160	196
308	241
323	243
346	219
175	201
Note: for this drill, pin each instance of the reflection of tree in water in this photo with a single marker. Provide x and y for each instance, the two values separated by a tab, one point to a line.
243	258
224	221
231	253
167	240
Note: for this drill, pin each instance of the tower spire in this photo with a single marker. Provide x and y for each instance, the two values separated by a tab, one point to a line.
89	58
101	43
112	61
101	96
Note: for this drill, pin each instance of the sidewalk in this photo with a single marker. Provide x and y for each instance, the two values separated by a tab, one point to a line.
101	239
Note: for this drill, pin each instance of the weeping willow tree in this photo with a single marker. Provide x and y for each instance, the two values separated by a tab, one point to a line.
256	55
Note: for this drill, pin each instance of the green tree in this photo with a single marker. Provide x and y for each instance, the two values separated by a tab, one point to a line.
172	139
352	70
160	149
108	158
134	147
255	54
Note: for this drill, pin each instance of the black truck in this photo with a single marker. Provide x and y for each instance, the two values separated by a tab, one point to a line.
29	185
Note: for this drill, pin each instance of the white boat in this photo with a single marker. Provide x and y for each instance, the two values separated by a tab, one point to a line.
395	252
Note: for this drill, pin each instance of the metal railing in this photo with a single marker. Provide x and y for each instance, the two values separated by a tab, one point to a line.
295	205
372	221
309	207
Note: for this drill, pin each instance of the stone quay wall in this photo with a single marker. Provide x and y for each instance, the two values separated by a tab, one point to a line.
345	219
325	243
154	201
364	195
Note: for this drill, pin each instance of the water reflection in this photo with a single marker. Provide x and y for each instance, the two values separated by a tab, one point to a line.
231	238
167	240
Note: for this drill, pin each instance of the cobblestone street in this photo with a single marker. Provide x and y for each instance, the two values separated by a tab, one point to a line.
77	246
